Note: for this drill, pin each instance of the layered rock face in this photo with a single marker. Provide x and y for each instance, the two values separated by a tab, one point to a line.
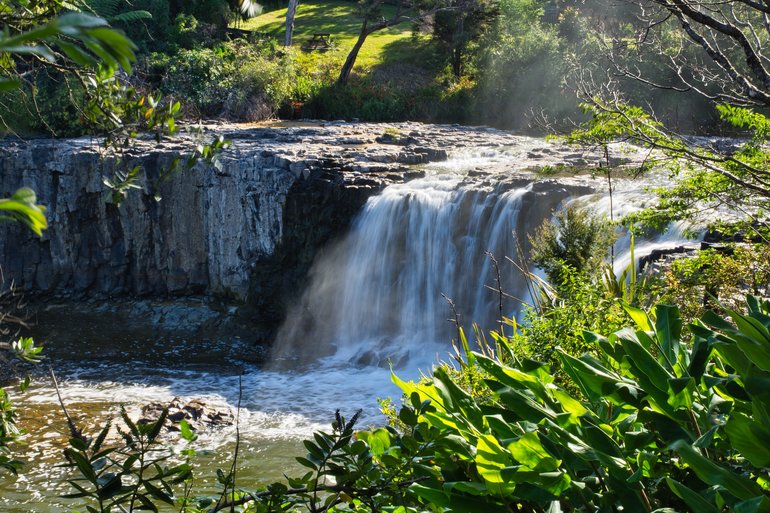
213	228
198	239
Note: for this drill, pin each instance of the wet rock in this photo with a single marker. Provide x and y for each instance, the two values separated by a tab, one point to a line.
199	415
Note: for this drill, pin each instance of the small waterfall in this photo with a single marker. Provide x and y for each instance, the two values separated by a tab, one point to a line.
629	197
379	295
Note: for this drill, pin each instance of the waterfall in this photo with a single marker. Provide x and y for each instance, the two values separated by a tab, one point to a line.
380	294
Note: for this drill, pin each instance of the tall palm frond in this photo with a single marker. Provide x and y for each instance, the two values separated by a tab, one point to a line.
113	10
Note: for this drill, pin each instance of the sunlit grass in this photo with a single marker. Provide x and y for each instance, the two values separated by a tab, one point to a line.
339	18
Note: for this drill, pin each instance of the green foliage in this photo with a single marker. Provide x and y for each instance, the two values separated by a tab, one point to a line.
574	242
363	100
460	28
114	11
23	349
9	433
103	45
707	178
23	207
522	68
581	304
717	278
136	476
238	80
661	423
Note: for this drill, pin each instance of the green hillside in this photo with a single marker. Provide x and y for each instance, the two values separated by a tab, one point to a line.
339	18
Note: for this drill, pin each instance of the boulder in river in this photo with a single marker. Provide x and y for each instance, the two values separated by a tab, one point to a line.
199	415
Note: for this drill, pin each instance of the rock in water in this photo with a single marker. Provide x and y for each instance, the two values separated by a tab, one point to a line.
199	415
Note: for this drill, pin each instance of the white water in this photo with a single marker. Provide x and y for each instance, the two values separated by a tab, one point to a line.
380	295
628	197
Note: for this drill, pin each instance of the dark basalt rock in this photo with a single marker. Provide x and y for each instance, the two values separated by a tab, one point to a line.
199	415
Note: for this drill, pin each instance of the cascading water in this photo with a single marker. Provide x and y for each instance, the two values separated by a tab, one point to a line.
380	294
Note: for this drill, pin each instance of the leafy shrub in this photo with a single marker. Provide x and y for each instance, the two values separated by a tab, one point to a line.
189	33
362	100
716	278
661	424
265	83
575	241
236	80
560	319
200	76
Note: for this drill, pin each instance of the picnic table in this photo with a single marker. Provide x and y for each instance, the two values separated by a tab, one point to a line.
320	40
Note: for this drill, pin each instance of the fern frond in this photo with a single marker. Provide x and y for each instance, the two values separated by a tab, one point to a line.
129	17
104	8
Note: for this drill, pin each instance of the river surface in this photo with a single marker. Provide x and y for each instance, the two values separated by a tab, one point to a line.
374	299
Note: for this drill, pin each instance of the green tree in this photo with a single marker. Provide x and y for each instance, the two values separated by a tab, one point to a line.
719	52
461	26
373	21
575	241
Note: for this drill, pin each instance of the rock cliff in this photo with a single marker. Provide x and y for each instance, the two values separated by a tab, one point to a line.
246	230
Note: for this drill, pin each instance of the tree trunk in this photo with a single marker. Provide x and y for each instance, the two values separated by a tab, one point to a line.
351	59
457	57
457	46
290	13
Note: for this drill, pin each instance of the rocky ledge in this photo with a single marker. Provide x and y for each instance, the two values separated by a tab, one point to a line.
246	230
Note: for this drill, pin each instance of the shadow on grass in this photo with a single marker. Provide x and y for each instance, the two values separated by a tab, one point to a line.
336	17
420	52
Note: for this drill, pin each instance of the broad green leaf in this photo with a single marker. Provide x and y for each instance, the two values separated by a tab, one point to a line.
648	371
522	404
431	495
639	317
597	382
755	505
694	500
77	54
22	207
425	392
668	328
467	487
491	459
713	474
456	400
186	431
699	357
750	438
529	451
569	403
681	392
512	377
379	440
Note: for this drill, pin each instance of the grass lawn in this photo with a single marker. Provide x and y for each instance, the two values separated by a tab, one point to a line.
338	18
